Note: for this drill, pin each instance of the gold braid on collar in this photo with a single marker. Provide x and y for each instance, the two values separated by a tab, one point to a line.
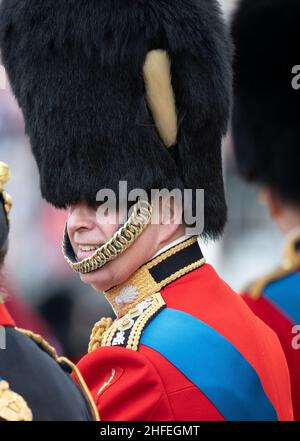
138	300
121	240
155	275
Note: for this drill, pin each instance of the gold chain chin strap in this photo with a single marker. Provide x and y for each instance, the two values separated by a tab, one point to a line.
121	240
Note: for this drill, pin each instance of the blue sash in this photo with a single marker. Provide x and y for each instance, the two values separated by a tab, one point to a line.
285	293
212	363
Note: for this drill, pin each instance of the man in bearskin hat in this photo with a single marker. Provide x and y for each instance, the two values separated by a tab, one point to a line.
138	92
41	386
266	133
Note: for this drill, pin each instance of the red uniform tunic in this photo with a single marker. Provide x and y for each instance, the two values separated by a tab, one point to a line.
201	354
275	298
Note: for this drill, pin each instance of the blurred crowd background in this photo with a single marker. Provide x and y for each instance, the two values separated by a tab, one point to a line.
37	273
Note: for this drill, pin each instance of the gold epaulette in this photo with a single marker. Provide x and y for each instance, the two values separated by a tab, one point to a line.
127	330
13	407
40	341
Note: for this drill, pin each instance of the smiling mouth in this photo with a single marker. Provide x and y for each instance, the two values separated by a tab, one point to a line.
87	248
84	251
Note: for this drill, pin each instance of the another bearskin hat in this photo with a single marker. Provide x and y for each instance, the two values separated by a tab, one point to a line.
266	127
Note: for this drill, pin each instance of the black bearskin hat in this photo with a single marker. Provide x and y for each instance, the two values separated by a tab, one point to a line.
76	68
266	126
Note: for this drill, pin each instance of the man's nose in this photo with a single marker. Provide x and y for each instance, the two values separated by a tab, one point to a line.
81	218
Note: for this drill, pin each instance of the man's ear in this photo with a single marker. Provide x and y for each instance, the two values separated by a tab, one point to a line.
273	203
171	211
171	225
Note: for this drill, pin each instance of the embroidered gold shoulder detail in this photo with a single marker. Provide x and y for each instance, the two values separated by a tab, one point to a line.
127	330
97	332
13	407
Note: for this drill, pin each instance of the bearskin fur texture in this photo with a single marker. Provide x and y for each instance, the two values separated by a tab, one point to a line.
76	68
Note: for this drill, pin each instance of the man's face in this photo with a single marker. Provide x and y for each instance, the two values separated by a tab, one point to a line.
88	229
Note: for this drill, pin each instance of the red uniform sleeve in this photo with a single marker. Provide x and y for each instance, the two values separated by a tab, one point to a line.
142	386
125	385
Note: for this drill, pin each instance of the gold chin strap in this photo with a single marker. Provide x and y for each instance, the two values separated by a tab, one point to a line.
121	240
4	178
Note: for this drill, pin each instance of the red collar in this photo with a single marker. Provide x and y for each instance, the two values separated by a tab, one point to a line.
5	317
